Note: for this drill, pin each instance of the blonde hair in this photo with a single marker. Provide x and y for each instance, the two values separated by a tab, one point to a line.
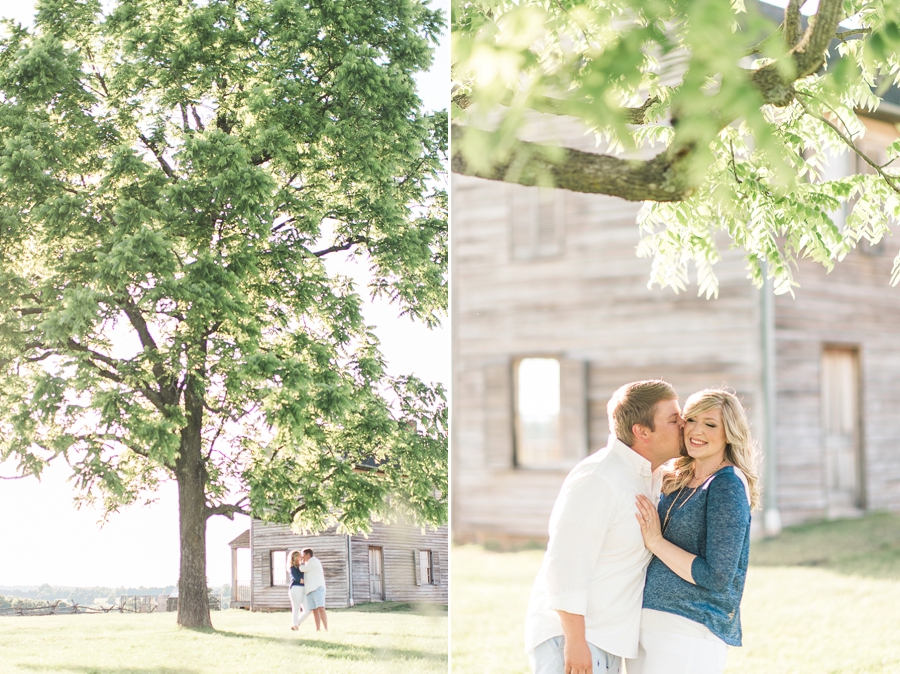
740	448
635	403
295	558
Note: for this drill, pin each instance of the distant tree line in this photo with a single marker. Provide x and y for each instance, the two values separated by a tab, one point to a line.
77	595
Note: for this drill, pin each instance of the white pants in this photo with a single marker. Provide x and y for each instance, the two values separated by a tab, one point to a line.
682	651
298	596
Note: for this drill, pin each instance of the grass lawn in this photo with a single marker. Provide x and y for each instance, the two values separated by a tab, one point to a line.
820	599
384	638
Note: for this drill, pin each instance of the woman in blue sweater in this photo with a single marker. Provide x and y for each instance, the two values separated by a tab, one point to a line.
700	538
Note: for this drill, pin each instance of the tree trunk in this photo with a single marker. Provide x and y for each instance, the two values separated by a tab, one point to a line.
190	472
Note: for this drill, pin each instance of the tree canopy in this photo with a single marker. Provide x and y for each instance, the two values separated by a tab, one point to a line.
717	117
174	176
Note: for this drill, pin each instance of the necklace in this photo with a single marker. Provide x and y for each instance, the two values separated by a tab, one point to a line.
680	491
714	471
665	523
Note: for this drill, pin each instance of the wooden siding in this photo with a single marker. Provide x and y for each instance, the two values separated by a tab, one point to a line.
329	547
397	541
853	306
590	304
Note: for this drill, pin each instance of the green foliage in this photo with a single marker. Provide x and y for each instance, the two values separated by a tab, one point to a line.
751	149
173	177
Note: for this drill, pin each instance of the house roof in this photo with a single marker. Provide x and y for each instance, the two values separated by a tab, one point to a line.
242	541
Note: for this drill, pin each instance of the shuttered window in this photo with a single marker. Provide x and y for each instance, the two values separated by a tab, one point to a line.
550	409
427	567
537	222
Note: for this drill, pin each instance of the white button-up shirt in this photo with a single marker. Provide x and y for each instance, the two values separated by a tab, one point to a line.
313	574
596	561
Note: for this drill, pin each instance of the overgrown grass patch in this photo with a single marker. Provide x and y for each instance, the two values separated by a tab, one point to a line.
823	598
363	640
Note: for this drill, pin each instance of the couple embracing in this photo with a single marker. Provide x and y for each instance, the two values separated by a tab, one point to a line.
656	585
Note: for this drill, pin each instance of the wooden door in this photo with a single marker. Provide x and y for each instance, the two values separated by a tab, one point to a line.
840	426
376	574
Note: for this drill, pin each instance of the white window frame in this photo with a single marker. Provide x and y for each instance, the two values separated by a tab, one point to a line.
273	576
424	566
521	460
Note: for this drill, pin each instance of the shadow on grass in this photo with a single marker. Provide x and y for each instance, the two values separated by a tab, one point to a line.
94	669
395	607
337	650
866	546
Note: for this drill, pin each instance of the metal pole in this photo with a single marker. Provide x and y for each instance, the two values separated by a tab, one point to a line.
771	513
350	569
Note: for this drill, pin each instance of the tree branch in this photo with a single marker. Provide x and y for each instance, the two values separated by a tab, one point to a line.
229	510
656	179
106	374
809	52
167	389
75	346
112	437
156	399
185	125
159	158
890	180
791	31
842	35
561	106
282	225
138	322
659	178
197	119
344	246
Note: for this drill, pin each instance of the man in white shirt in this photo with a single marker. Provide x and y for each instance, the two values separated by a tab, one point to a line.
585	608
314	580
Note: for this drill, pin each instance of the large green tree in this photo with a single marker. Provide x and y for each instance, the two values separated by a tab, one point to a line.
174	177
735	115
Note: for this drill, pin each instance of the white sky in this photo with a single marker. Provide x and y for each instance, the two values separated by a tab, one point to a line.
43	539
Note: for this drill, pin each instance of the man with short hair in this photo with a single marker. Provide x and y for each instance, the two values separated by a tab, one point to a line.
585	608
314	579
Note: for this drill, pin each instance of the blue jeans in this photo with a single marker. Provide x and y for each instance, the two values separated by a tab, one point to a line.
548	658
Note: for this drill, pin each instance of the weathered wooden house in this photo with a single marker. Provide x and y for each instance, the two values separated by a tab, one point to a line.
394	562
551	313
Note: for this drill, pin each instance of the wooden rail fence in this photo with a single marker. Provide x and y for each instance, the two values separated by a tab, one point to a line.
129	605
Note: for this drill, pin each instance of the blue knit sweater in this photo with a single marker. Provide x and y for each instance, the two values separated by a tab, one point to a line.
714	524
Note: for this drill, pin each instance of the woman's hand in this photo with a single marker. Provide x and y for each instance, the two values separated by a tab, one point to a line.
648	518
